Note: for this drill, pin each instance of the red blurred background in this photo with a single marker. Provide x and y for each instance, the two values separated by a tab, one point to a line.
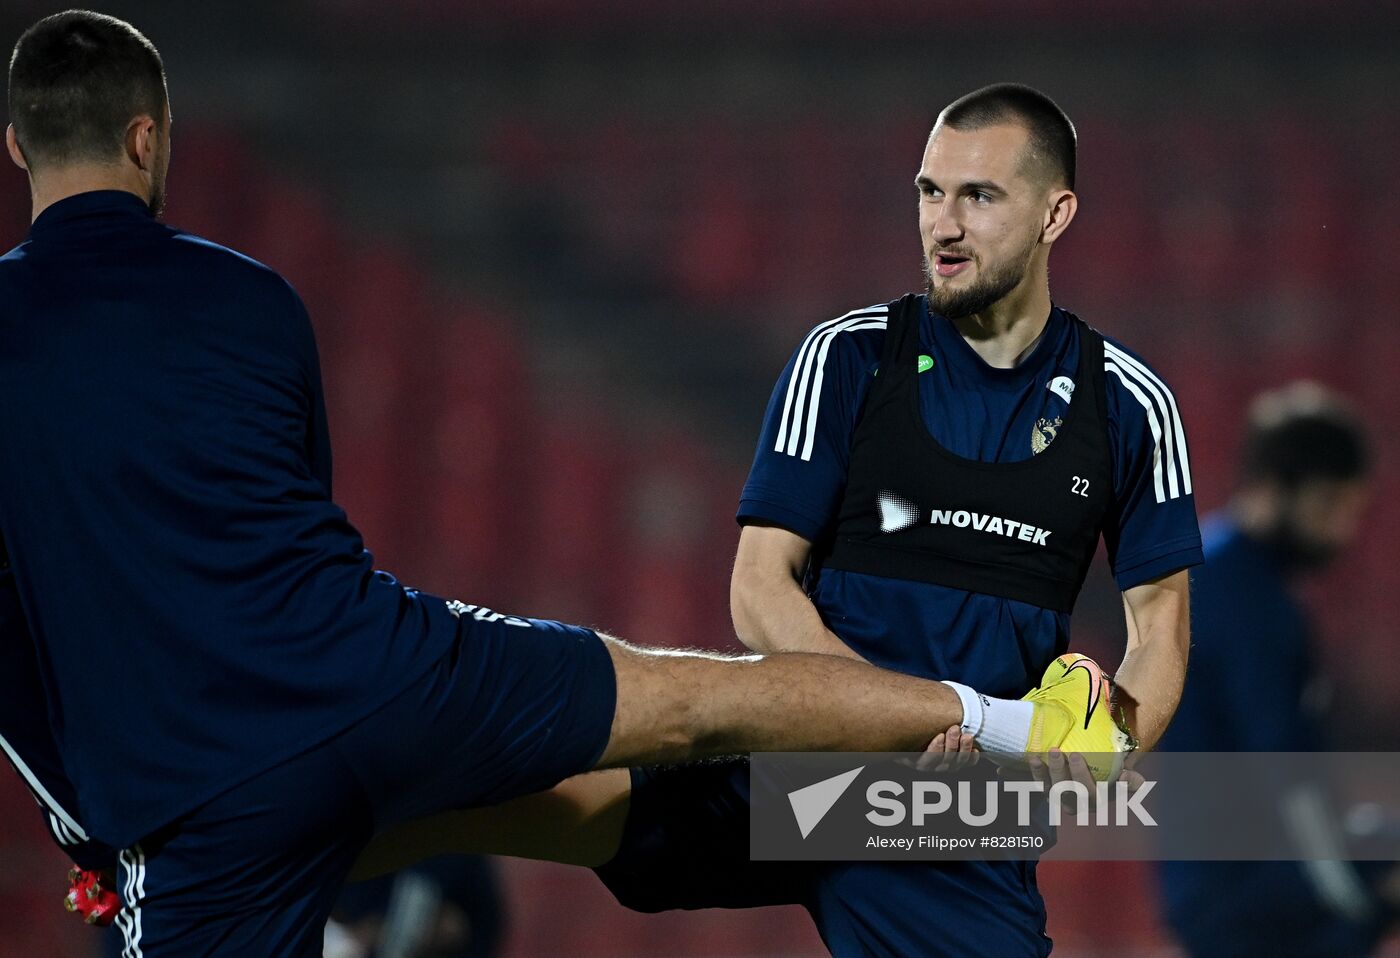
557	252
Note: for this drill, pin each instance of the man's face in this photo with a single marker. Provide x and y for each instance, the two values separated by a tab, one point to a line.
981	214
1319	519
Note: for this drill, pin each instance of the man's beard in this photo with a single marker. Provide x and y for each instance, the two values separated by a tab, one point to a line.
978	295
157	203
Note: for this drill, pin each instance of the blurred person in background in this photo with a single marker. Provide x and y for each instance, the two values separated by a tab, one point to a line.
1255	686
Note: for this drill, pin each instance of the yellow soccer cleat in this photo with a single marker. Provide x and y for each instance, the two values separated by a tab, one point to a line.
1073	714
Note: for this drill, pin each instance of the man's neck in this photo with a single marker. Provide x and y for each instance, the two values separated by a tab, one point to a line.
59	184
1008	331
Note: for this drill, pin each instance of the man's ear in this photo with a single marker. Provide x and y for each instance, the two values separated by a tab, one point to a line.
12	145
1063	205
142	140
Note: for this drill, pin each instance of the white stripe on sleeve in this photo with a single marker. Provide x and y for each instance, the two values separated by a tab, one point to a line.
1183	460
814	405
42	793
803	399
1152	424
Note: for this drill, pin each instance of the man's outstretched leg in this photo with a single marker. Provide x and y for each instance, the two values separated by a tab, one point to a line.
665	713
677	706
519	708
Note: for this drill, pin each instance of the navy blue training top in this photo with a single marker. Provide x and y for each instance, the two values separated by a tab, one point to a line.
1245	621
201	609
25	738
998	646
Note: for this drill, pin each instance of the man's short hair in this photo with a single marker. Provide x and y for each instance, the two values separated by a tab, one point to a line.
1303	432
76	81
1052	137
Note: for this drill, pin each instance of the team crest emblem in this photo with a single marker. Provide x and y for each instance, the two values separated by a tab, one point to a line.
1043	434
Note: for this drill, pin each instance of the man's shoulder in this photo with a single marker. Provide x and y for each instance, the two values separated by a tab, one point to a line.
1239	579
14	257
224	263
1221	536
1231	555
1136	390
857	333
224	272
1116	350
1144	416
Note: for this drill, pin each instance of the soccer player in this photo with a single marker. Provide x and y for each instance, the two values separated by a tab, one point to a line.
1303	489
931	483
236	698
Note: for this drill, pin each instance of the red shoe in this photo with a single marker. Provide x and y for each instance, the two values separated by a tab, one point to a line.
88	897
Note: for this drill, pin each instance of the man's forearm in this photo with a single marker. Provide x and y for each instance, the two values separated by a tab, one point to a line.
1149	687
1153	672
771	611
773	614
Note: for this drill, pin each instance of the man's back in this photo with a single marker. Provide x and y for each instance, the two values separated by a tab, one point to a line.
164	496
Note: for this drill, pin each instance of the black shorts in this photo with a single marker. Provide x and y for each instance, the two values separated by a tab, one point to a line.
512	709
686	844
